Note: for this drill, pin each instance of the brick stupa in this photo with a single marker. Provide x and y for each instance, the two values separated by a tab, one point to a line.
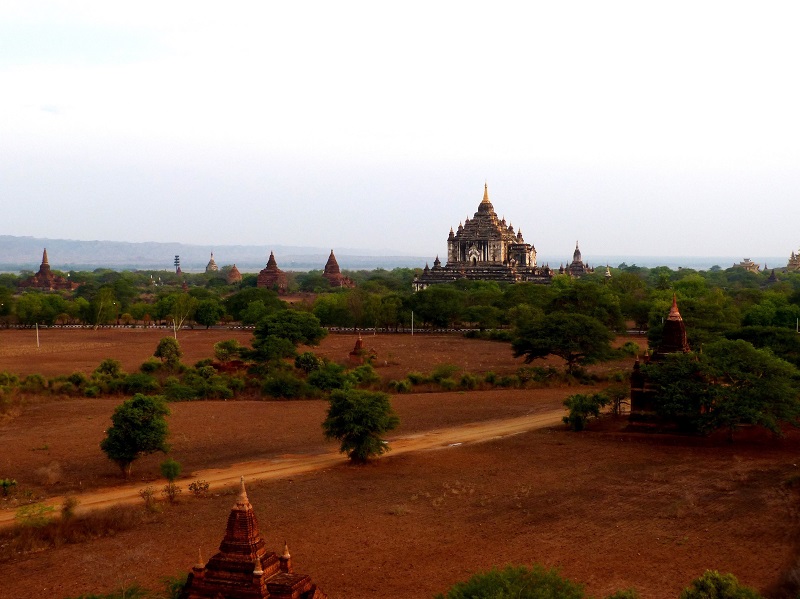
334	275
234	276
45	279
244	568
272	277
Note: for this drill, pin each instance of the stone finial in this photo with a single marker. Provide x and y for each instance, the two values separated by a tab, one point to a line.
286	559
44	257
242	499
257	569
200	563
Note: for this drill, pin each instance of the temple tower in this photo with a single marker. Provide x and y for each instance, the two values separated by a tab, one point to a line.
673	339
243	568
334	275
272	277
211	266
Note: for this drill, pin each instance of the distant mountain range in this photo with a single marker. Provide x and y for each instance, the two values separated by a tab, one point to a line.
18	253
25	253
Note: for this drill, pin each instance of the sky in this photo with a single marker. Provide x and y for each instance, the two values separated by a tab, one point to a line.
637	128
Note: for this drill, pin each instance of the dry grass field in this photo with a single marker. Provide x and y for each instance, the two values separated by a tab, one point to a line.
610	508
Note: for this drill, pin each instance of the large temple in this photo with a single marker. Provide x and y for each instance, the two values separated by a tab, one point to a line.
45	279
334	276
244	568
794	262
487	248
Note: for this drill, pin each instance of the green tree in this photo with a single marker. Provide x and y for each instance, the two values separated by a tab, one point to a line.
225	351
577	338
516	582
357	419
208	312
731	383
138	427
582	407
169	352
278	334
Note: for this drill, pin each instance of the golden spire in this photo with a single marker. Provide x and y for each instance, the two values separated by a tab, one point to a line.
200	564
485	192
286	550
674	314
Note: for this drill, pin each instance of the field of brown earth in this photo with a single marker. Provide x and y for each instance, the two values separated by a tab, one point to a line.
611	509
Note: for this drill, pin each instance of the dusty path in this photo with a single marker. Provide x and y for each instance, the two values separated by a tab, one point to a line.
299	464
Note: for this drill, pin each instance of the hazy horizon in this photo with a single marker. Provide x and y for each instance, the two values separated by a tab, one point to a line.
636	129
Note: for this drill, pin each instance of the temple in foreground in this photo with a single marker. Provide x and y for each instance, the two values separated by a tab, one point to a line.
485	248
244	568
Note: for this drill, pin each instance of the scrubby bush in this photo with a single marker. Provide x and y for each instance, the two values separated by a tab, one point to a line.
227	350
713	585
330	376
582	407
448	384
150	366
365	375
33	383
416	378
169	352
401	386
490	378
171	470
35	515
8	380
179	392
199	488
283	385
443	371
6	484
110	367
516	582
139	382
308	362
469	381
509	380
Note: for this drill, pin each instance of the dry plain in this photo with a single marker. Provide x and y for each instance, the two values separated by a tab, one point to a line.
610	508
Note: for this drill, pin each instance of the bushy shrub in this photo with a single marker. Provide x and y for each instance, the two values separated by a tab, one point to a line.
713	585
416	378
150	366
205	362
582	407
365	375
283	385
227	350
516	582
490	378
139	383
509	380
35	515
443	371
78	379
109	367
401	386
61	387
8	380
179	392
308	362
93	391
330	376
448	384
469	381
199	488
33	383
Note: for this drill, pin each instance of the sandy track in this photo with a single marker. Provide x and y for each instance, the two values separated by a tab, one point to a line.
288	466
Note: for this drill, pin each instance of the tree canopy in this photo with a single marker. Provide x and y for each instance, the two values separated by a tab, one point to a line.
577	338
138	427
358	419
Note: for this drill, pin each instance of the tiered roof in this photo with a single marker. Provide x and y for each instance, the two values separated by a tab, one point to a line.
244	568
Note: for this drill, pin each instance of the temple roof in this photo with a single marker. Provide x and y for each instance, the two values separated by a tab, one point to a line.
674	314
332	266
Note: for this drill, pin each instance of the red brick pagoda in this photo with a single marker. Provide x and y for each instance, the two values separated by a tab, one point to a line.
334	275
272	277
244	569
45	279
234	276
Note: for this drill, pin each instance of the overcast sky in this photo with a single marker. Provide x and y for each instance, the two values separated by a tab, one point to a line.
638	128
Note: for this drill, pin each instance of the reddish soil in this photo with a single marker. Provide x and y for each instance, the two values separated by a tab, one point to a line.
611	509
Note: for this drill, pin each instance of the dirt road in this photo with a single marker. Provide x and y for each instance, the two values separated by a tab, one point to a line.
292	465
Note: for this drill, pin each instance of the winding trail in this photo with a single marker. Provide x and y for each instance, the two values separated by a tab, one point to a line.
292	465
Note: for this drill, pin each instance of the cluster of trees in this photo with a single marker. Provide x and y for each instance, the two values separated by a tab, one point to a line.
520	582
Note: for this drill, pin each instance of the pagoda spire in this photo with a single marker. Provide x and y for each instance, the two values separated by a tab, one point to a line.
44	258
486	192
